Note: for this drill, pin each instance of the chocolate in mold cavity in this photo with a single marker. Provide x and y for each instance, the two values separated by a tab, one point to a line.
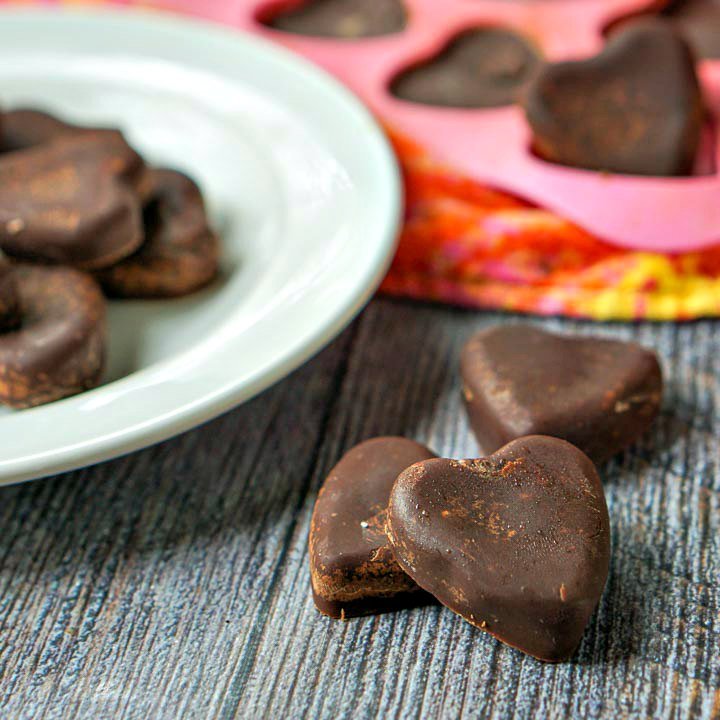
352	567
517	543
599	394
699	23
345	19
71	201
180	252
636	108
59	348
25	128
9	298
480	68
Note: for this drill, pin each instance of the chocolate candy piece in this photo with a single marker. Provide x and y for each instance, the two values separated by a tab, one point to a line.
342	18
352	567
68	201
635	108
598	394
9	298
699	23
180	252
517	543
59	348
486	67
25	128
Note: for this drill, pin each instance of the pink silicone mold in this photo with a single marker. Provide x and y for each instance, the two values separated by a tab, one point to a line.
492	145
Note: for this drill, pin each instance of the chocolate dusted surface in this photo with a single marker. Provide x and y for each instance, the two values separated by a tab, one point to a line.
699	23
180	252
352	566
480	68
636	108
517	543
70	201
347	19
59	348
601	395
9	298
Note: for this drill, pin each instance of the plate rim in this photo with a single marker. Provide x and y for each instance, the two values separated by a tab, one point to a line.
156	428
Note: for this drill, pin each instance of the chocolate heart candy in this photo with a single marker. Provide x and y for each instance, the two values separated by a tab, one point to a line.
517	543
342	18
352	567
699	23
68	201
9	298
25	128
635	108
598	394
180	252
486	67
59	348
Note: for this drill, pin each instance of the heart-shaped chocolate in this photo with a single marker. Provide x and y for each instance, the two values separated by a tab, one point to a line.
180	251
347	19
598	394
70	201
59	348
485	67
517	543
352	567
9	298
699	23
635	108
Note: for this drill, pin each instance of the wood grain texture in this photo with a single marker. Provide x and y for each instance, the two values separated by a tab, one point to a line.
174	582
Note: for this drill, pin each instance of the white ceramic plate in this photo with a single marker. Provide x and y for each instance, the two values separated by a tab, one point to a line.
300	183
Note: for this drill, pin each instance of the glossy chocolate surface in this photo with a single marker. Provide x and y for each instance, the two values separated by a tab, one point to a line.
352	566
180	251
601	395
480	68
636	108
58	350
71	201
516	543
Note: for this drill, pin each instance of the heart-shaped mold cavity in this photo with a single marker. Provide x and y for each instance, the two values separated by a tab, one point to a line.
699	22
346	19
480	68
636	108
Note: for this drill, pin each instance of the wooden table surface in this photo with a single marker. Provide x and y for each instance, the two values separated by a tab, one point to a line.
174	583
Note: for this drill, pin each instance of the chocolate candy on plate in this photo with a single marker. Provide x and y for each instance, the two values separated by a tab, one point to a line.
59	347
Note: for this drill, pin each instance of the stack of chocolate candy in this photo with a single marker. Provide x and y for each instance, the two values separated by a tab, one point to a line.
516	542
81	211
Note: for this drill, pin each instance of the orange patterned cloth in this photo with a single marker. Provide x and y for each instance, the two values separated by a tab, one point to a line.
466	244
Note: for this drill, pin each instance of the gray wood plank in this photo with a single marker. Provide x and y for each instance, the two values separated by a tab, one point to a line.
174	582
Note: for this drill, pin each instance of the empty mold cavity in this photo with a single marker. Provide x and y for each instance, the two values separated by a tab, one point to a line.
343	19
479	68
